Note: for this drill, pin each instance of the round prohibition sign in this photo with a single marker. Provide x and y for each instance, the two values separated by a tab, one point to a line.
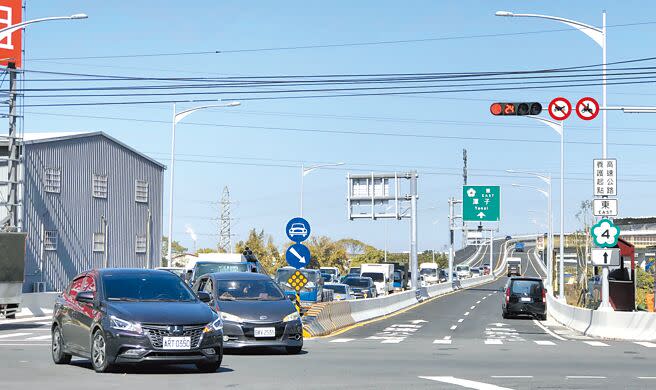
560	108
587	108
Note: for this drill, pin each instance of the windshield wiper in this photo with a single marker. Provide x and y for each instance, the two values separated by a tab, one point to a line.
123	299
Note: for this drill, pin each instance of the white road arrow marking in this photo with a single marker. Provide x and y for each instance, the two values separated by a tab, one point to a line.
301	259
464	383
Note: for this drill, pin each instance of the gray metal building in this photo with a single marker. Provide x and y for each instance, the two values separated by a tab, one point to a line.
87	200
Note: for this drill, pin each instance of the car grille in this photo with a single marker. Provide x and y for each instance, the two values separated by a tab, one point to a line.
156	334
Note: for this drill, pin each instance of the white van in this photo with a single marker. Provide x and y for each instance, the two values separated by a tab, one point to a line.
382	275
463	271
429	272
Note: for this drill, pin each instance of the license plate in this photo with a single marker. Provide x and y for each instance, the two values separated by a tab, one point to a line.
265	332
176	343
526	299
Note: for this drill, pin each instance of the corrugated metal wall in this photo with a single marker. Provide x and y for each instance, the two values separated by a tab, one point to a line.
76	215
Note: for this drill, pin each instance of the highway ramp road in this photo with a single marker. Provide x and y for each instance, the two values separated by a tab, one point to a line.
452	342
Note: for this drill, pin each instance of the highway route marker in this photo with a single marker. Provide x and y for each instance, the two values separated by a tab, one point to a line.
605	234
606	257
560	109
587	108
481	203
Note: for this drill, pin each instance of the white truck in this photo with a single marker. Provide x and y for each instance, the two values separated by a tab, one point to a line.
429	272
333	272
514	266
12	267
382	275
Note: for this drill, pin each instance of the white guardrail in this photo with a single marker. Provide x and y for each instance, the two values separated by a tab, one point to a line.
618	325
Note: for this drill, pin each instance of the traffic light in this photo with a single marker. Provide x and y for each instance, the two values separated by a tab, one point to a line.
524	108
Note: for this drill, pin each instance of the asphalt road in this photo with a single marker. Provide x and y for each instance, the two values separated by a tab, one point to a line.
445	343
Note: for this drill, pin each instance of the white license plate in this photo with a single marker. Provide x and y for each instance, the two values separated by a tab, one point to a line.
265	332
176	343
526	299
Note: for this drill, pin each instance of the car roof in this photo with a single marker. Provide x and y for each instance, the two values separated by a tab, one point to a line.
127	271
525	278
238	276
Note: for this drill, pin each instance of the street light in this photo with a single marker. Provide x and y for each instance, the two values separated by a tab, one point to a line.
599	36
307	170
4	32
177	117
547	180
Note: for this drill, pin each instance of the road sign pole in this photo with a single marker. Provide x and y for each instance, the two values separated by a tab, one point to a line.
561	286
491	250
413	235
451	200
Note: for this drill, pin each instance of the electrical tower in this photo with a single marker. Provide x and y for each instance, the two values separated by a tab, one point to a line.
225	238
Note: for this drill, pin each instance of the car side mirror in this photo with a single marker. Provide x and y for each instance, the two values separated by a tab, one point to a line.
204	297
85	296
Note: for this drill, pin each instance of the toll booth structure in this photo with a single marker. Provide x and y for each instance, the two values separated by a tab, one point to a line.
622	281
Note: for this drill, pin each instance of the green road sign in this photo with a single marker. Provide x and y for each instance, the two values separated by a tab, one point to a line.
605	233
481	203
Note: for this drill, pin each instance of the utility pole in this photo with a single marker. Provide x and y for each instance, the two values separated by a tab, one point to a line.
464	182
413	228
12	199
225	236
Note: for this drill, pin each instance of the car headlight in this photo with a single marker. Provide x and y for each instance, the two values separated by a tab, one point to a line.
214	326
292	317
230	317
127	326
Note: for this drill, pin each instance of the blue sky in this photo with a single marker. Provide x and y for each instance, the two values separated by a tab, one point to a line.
261	163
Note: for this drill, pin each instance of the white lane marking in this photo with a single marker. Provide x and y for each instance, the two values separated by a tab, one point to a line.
484	297
46	337
447	337
43	323
442	341
544	342
341	340
22	344
646	344
584	377
472	308
392	341
406	326
511	376
477	302
596	343
464	383
466	313
548	331
20	320
647	377
6	336
493	341
418	321
454	327
460	320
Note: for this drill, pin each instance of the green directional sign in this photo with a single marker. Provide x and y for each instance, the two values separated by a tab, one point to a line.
481	203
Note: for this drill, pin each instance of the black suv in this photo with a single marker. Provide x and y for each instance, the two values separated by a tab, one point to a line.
116	316
525	296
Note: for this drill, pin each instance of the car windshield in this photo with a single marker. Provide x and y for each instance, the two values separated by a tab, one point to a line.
354	271
329	271
248	290
397	276
210	268
428	272
376	276
337	289
146	286
357	282
462	268
526	287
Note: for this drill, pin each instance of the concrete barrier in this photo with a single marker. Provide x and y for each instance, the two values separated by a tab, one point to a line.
37	304
617	325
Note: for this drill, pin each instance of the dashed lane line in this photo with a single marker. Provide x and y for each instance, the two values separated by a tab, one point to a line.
585	377
442	341
466	313
469	384
493	341
596	343
484	297
646	344
472	308
544	342
477	302
9	335
341	340
511	376
460	320
454	327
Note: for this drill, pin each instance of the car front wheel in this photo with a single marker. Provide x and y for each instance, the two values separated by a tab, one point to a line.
57	348
99	359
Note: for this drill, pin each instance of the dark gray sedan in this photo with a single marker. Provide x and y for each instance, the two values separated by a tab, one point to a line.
255	311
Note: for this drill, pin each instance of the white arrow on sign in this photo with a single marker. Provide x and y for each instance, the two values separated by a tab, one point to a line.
606	257
480	215
299	257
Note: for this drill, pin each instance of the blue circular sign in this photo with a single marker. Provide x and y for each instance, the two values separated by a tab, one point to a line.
298	256
298	229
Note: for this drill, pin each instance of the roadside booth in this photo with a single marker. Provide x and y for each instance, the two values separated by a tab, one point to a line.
621	281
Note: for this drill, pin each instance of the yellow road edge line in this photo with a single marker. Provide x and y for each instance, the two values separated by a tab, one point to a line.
386	316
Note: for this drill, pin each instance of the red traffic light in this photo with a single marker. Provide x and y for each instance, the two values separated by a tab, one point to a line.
524	108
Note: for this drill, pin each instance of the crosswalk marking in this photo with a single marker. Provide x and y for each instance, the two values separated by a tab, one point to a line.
6	336
46	337
596	343
646	344
493	341
544	342
341	340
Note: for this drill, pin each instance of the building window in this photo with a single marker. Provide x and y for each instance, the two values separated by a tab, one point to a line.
53	180
140	244
98	242
99	186
141	191
50	240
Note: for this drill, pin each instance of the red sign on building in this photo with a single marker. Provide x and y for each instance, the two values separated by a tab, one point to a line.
11	13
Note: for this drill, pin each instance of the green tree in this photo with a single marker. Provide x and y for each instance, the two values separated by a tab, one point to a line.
427	257
176	249
263	247
327	253
207	250
360	253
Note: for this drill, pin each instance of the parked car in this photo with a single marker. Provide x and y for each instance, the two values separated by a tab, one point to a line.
113	316
255	311
341	291
525	296
361	287
174	270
